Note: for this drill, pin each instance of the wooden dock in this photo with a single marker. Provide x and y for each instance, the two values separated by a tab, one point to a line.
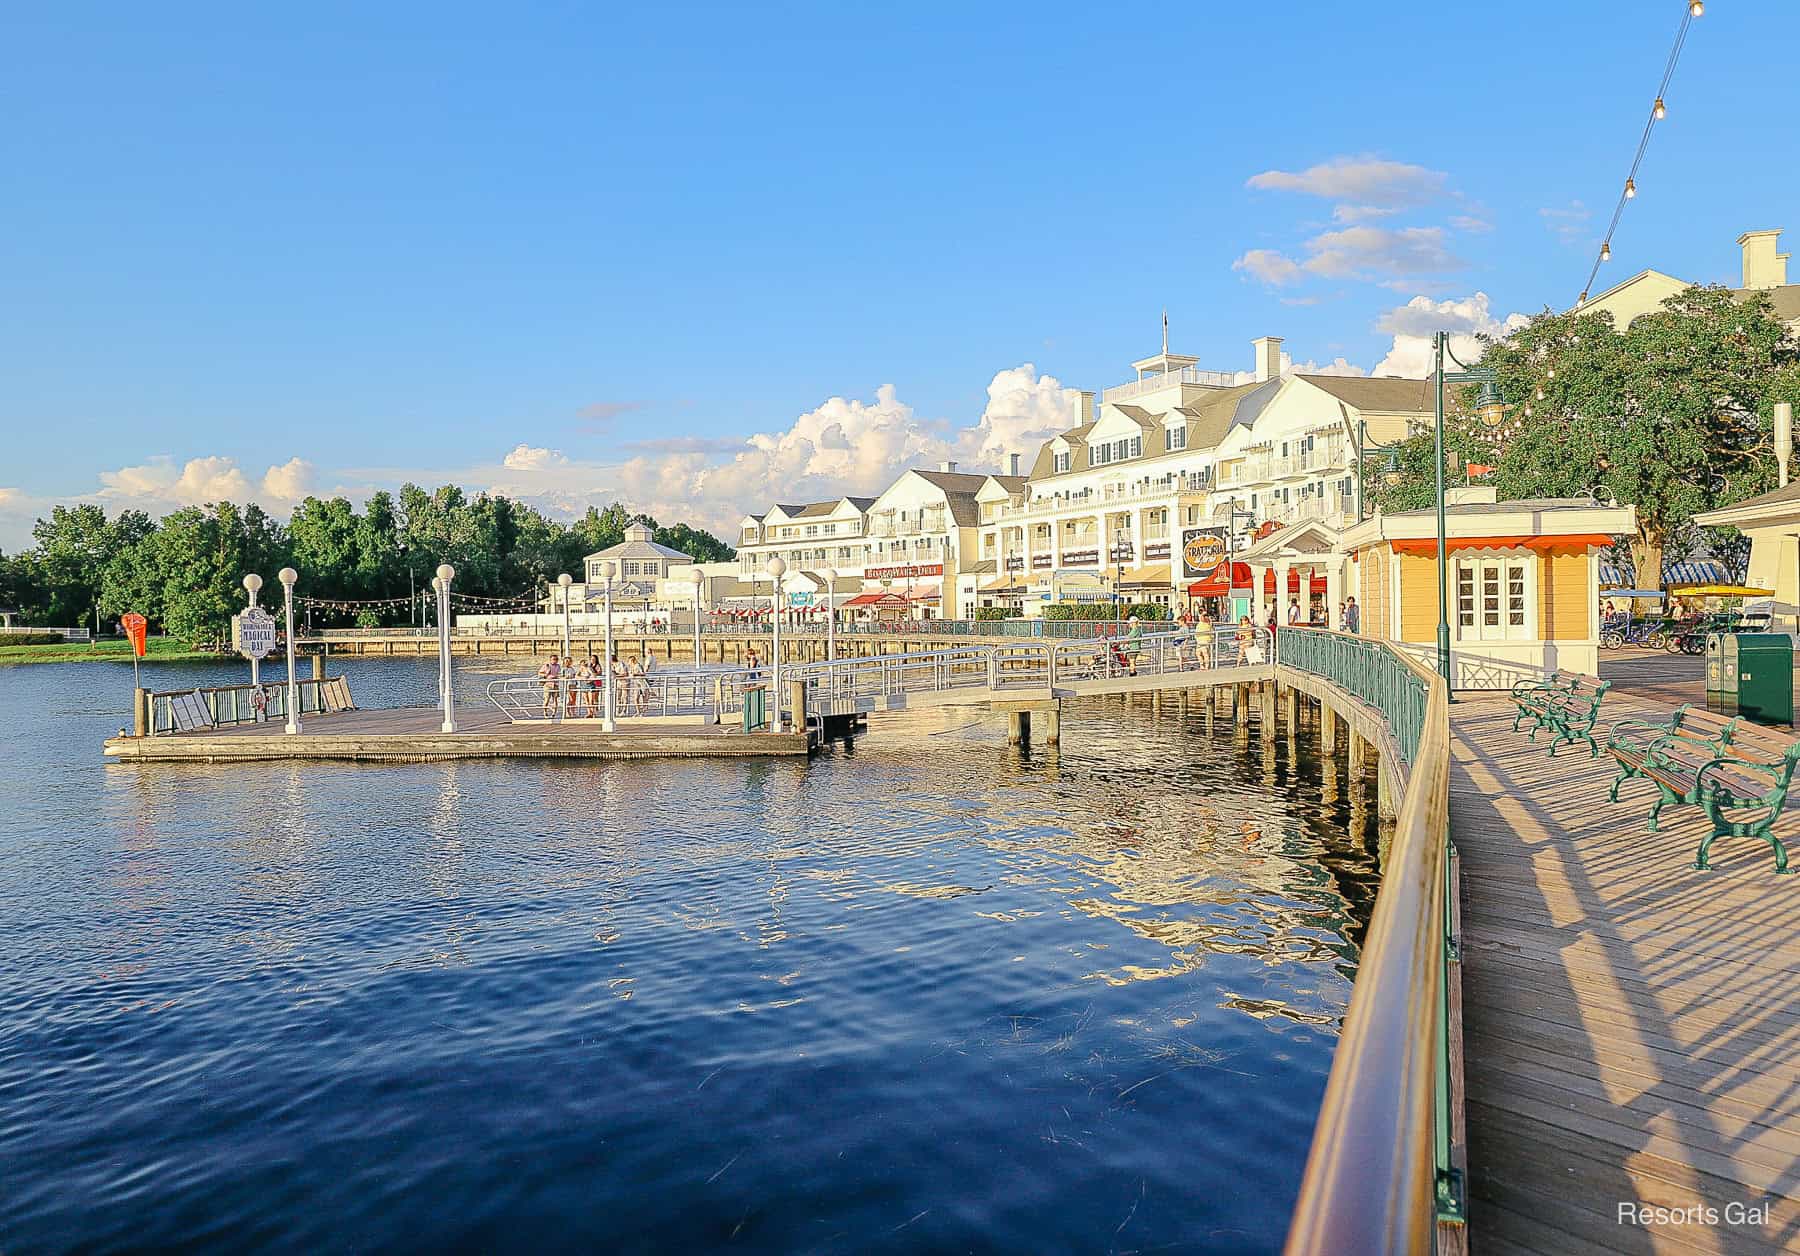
1631	1025
413	734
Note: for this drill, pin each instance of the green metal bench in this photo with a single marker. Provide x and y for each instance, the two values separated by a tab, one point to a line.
1742	785
1567	704
1662	752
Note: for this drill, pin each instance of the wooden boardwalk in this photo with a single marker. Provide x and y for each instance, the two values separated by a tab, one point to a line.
1631	1025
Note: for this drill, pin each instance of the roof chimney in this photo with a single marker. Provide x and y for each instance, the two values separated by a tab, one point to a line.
1268	357
1012	464
1084	408
948	465
1764	268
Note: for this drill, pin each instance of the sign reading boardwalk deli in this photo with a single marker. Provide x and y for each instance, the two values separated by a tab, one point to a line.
903	573
1202	550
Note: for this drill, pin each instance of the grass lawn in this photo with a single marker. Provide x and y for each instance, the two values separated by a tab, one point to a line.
164	649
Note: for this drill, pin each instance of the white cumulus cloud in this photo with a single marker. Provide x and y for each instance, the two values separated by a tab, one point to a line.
1411	325
533	458
288	483
1364	252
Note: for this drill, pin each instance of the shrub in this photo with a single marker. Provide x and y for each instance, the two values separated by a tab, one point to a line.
1147	611
32	638
996	612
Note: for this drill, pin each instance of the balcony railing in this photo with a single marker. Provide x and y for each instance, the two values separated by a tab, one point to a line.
1155	383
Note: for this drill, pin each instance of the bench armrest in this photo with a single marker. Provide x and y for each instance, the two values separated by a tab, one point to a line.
1657	731
1523	687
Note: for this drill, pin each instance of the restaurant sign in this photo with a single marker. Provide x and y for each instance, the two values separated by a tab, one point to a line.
1202	550
904	573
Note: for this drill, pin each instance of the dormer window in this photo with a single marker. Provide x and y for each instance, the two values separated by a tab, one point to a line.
1059	462
1175	438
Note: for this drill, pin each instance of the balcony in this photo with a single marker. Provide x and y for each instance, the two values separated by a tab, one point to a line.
1160	489
1330	459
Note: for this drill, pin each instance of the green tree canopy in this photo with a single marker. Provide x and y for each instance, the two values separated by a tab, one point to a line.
1670	415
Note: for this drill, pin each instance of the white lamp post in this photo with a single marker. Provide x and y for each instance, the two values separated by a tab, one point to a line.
287	577
445	574
777	568
698	579
607	724
252	585
565	580
830	574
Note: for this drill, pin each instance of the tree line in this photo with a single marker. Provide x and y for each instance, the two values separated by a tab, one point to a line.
1671	414
184	572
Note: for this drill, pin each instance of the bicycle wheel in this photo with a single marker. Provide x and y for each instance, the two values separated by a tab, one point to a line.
1611	639
1657	639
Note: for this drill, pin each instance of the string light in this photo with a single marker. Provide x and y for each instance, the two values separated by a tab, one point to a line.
1658	111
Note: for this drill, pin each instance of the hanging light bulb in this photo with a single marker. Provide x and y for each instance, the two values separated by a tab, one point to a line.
1581	300
1658	110
1551	373
1697	7
1540	394
1630	189
1528	412
1606	250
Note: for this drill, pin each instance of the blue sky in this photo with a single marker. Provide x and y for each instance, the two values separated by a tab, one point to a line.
259	253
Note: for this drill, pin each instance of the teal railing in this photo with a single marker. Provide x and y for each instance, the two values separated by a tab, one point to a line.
1372	671
1383	1174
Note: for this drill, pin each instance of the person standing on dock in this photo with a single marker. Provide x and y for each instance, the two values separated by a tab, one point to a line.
549	673
619	677
1134	645
1352	616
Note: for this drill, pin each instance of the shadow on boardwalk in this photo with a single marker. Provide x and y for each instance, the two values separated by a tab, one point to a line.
1632	1025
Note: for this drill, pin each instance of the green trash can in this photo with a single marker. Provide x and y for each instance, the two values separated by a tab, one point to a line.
755	708
1765	676
1721	673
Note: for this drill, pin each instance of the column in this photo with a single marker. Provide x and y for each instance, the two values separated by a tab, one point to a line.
1334	589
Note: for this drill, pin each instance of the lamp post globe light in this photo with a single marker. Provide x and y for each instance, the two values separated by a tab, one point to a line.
565	580
607	723
253	586
697	578
288	576
445	574
777	568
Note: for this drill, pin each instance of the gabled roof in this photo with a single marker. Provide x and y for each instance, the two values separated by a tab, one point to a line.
862	504
813	510
1139	415
1785	300
952	481
641	549
1376	392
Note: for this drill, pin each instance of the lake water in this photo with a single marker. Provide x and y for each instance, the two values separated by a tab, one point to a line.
924	993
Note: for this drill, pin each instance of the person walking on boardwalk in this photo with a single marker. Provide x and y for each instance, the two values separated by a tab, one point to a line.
1134	644
596	682
1352	617
754	663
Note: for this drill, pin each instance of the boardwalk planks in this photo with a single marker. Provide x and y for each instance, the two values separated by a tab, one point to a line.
1631	1025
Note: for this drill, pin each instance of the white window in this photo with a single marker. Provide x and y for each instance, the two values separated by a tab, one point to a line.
1136	447
1059	463
1175	438
1491	600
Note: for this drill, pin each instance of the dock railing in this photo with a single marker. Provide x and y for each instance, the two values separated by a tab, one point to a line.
1381	1175
221	706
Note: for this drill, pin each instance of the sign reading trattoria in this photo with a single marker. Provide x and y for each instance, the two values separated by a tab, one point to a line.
903	573
253	633
1202	550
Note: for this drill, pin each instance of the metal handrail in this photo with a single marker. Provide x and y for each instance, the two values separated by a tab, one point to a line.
1379	1177
226	705
715	693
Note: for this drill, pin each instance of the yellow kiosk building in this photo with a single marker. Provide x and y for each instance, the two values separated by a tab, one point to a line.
1524	582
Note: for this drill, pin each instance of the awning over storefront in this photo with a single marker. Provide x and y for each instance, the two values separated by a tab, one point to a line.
1215	584
1428	544
1156	575
878	599
923	593
1003	584
1684	576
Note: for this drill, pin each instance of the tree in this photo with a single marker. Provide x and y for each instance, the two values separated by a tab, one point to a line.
1670	415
